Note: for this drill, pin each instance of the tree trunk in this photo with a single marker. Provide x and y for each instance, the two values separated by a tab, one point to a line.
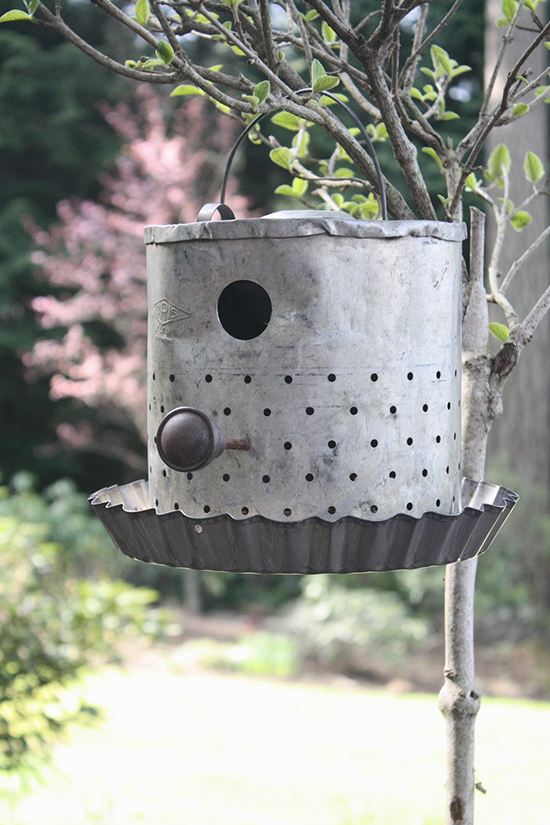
192	599
458	700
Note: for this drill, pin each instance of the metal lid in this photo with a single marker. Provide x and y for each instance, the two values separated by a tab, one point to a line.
296	224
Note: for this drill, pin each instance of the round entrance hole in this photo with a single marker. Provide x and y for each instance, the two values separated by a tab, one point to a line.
244	309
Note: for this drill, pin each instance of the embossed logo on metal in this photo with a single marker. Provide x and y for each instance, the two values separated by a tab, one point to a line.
168	316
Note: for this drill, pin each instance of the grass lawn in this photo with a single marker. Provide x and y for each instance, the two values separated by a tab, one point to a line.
206	749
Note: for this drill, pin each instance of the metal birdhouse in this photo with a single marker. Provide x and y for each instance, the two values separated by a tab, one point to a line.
304	399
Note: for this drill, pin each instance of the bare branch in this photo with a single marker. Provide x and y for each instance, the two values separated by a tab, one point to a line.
265	15
530	323
517	265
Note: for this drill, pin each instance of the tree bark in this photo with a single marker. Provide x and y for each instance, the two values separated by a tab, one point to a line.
458	700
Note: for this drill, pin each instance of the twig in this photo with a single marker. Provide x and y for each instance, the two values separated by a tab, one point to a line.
418	49
517	265
265	16
533	319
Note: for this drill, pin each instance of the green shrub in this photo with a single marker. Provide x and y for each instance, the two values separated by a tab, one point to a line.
52	626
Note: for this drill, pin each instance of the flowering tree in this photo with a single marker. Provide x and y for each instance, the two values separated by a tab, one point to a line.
94	261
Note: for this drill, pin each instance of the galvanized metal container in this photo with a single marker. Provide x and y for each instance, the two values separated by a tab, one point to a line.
332	345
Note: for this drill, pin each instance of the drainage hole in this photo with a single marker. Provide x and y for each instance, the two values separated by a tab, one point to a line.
176	506
374	443
331	444
287	445
172	378
267	412
410	376
149	406
156	502
424	473
454	436
309	476
456	373
189	476
331	377
374	377
226	476
164	473
425	408
449	405
154	377
409	505
331	510
244	511
447	470
438	439
227	411
459	465
374	508
352	476
206	508
409	441
208	379
353	410
309	410
247	379
287	511
438	374
162	408
393	410
393	474
438	502
266	479
288	379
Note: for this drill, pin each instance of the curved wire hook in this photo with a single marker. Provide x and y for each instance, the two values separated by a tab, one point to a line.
209	209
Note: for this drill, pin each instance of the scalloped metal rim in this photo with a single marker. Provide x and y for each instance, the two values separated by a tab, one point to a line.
259	545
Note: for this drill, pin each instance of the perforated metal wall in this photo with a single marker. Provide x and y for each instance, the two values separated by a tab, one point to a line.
338	358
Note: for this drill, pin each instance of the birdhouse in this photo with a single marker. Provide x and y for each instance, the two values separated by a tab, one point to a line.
304	400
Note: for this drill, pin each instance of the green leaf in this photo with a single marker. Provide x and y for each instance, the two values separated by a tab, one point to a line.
281	55
428	72
165	52
533	166
130	64
471	182
311	15
300	187
343	172
31	5
461	70
282	157
252	99
143	12
216	68
261	90
328	101
187	90
500	331
416	93
286	190
520	109
441	58
329	35
287	121
449	116
338	199
509	9
444	201
520	220
434	156
10	16
499	158
317	71
324	83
